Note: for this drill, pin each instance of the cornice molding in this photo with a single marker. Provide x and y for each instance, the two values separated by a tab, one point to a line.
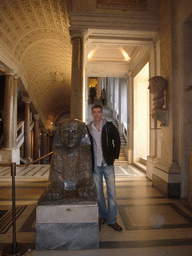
146	21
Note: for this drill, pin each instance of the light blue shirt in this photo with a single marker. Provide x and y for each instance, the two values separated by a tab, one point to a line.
97	146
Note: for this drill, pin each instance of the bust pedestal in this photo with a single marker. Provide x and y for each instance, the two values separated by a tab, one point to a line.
62	226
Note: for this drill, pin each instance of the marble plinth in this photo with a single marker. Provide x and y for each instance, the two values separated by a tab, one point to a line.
10	155
167	178
60	227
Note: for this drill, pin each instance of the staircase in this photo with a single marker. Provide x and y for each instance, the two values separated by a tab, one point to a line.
122	157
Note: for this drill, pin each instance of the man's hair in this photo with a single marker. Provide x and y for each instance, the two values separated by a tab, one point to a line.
97	106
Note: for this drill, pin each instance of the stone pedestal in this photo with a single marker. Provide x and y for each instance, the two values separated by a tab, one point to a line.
70	226
10	155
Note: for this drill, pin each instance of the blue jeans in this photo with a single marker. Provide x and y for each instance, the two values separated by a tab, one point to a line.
109	174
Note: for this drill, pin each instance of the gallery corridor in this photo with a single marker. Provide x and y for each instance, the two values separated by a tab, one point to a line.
152	224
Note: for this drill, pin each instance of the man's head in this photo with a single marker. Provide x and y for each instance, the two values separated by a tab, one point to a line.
72	131
97	112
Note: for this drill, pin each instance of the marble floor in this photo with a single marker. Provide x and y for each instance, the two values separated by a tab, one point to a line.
152	224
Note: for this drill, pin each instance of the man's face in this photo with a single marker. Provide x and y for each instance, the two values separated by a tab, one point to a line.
97	114
71	135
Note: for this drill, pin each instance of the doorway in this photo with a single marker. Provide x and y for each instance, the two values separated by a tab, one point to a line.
141	115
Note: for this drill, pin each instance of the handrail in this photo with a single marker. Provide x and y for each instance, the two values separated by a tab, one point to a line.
124	132
39	158
24	165
20	133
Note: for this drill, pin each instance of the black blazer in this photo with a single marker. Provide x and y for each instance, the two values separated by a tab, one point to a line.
111	143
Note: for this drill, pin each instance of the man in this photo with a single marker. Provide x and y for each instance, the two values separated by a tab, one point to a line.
106	147
103	96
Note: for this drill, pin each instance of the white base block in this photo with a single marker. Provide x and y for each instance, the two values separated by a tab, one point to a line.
10	155
61	227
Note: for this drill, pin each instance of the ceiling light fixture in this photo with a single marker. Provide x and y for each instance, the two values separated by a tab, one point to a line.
125	54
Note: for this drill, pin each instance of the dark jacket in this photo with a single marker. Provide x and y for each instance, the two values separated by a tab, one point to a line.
110	141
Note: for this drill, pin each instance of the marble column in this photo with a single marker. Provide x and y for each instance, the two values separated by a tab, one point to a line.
190	180
36	138
120	100
8	111
130	118
44	145
27	102
114	114
50	144
10	153
77	74
14	130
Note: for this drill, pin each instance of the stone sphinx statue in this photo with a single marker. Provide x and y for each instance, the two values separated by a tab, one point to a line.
71	166
157	85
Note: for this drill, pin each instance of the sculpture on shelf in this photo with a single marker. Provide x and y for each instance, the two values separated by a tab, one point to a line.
71	166
157	85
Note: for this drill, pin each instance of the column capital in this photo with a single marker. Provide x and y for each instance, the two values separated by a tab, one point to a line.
16	76
9	73
129	74
77	33
26	100
36	116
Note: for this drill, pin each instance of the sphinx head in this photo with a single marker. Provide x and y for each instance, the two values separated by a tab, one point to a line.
72	131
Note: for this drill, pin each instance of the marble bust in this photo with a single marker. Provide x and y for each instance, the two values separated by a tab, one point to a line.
71	166
157	85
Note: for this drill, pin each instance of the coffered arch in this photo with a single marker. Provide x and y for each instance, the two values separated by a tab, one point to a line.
35	35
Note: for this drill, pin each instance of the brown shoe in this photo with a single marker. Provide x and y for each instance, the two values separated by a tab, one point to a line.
102	221
116	227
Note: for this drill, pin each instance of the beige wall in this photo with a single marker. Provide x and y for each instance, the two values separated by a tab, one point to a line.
173	14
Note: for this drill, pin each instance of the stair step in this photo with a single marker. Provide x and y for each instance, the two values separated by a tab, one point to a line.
118	163
122	158
143	160
141	166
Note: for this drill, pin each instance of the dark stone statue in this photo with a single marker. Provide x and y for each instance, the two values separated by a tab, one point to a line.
70	176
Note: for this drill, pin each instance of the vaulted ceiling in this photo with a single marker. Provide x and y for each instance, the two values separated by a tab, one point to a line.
35	43
35	34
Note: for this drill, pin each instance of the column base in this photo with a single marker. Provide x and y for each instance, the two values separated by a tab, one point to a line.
129	155
150	167
167	178
10	155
